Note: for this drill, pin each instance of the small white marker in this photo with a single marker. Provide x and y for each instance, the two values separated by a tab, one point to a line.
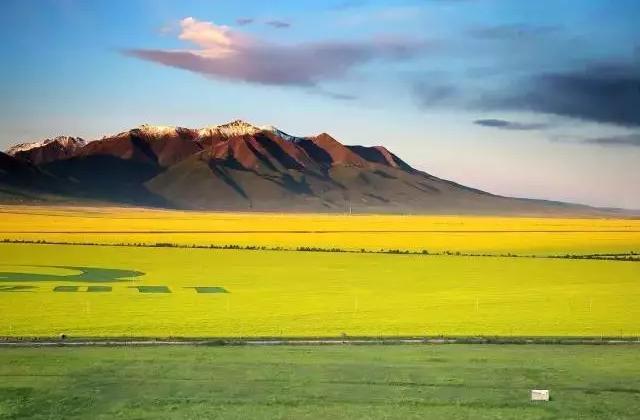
539	395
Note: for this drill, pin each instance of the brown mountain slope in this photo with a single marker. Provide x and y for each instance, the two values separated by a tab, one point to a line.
48	150
380	154
161	146
237	166
329	152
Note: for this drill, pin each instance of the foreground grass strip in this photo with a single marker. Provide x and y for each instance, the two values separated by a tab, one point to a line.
394	382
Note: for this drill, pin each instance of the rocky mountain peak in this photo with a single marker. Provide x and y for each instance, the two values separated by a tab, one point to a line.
65	142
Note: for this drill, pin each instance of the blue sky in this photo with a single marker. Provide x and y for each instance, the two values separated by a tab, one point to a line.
538	99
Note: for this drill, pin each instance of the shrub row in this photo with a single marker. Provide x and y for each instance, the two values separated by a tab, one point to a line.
631	256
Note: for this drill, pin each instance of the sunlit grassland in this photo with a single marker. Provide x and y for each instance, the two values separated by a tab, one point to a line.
307	294
400	382
467	234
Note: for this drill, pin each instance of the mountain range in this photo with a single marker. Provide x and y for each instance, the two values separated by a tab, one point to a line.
238	166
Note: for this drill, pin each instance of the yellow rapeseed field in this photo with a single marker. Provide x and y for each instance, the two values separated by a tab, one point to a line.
51	289
494	235
281	293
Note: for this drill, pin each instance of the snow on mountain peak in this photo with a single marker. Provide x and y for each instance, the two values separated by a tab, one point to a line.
230	129
281	133
66	142
227	130
238	124
241	128
156	130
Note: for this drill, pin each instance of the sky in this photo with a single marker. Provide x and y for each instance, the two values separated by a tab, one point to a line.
537	99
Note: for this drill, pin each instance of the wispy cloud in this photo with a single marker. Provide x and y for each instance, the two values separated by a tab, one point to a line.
278	24
510	125
429	93
274	23
622	140
244	21
333	95
378	15
511	32
348	4
225	53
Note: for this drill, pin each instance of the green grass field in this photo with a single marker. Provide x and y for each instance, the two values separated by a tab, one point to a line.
439	382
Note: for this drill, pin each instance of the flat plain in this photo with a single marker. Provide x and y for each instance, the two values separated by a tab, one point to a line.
100	273
391	382
133	291
468	234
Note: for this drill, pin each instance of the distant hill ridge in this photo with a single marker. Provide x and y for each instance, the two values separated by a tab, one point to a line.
240	166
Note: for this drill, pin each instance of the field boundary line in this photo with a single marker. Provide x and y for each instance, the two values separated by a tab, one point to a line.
13	342
224	232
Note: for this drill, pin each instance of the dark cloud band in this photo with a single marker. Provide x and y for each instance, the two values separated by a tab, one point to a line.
510	125
606	94
624	140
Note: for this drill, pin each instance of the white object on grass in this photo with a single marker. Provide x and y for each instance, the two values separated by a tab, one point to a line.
539	395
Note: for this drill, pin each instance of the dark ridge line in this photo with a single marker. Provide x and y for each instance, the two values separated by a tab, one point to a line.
631	256
308	341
